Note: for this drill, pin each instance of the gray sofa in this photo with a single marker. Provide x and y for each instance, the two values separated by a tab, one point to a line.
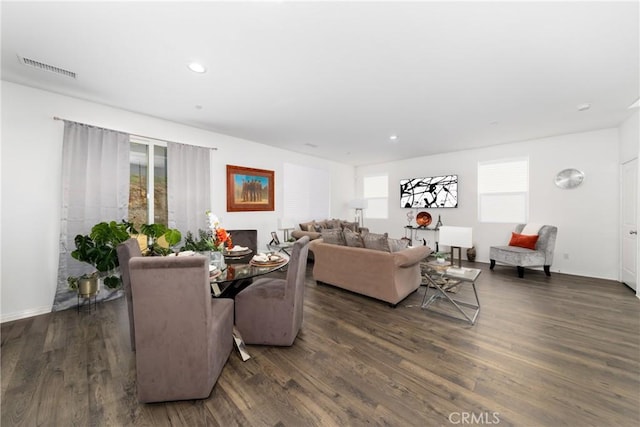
386	276
313	229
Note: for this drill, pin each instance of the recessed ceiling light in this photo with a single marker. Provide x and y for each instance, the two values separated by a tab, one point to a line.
196	67
393	138
583	107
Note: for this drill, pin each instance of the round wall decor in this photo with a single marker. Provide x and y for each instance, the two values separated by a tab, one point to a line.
569	178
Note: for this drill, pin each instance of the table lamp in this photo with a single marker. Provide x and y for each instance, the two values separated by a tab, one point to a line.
286	224
457	238
359	205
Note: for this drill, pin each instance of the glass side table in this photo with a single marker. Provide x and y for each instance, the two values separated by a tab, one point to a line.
461	275
280	247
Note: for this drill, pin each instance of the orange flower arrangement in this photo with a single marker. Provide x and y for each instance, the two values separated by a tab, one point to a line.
223	238
219	235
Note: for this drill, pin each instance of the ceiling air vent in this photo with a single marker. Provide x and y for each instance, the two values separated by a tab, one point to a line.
47	67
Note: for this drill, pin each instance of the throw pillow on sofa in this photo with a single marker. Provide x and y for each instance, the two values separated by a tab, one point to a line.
353	226
313	226
378	242
307	226
333	236
353	239
397	245
333	224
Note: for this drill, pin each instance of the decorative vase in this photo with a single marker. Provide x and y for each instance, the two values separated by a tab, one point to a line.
471	254
217	259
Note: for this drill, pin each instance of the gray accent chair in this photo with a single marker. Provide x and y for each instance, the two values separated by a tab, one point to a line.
270	311
542	256
127	250
183	336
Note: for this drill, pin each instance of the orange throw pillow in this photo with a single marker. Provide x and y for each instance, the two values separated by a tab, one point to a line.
523	240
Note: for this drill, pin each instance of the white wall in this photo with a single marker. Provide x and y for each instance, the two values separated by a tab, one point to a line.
629	150
31	171
587	217
630	138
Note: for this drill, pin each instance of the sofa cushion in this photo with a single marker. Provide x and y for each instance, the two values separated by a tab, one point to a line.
333	236
333	224
378	242
346	225
307	226
397	245
322	224
523	240
353	239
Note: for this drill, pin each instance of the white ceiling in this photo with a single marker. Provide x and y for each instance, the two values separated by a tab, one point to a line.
336	79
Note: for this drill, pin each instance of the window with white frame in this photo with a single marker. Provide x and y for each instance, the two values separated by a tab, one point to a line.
376	191
503	191
147	200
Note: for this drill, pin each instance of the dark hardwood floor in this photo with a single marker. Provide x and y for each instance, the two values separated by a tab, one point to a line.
558	351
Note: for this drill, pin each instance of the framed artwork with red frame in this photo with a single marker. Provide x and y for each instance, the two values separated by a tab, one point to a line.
249	189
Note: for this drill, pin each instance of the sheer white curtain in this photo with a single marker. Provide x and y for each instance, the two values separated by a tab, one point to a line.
188	186
95	188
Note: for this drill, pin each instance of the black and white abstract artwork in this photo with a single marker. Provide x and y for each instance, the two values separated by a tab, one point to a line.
432	192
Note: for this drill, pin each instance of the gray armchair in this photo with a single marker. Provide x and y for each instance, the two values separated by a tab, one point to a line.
541	256
269	312
183	335
127	250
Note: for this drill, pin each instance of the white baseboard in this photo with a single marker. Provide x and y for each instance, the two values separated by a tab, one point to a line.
24	314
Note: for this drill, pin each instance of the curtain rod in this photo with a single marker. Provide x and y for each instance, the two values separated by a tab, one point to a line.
128	133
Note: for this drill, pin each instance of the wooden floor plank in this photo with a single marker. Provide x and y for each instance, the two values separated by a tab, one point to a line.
545	351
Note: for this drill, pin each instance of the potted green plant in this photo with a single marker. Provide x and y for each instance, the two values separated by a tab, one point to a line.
441	257
98	249
203	243
154	232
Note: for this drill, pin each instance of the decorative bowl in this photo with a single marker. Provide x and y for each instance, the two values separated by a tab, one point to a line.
423	219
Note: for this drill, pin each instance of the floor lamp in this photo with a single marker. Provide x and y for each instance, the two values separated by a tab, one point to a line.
359	205
457	238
